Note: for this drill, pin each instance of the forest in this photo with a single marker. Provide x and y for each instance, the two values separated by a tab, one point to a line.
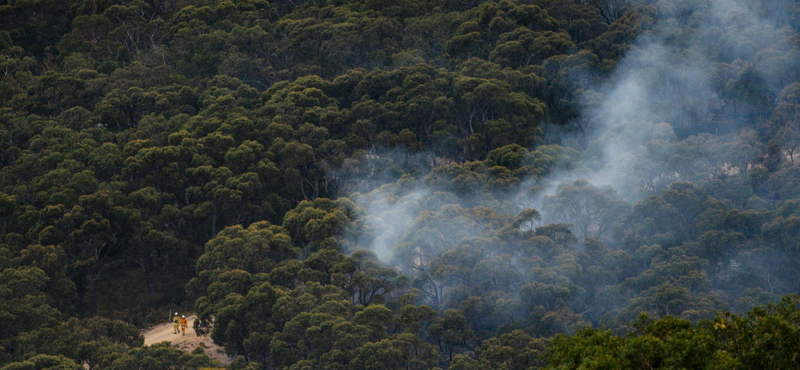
401	184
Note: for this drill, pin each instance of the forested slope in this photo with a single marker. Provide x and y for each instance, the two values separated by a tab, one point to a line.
387	184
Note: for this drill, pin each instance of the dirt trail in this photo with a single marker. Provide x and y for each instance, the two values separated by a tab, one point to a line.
165	333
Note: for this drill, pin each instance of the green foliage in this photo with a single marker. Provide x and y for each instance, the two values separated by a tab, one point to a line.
375	184
43	362
764	338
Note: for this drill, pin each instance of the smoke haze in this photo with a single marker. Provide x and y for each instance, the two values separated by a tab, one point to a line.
661	93
675	109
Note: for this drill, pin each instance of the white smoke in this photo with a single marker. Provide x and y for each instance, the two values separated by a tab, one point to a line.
670	87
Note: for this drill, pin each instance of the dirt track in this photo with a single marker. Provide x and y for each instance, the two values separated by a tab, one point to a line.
165	333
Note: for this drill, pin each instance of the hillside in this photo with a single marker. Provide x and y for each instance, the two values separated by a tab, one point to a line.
387	184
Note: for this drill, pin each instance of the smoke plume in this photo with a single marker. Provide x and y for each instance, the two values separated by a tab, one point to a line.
672	90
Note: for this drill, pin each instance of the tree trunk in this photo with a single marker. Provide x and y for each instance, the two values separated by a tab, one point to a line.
149	279
214	218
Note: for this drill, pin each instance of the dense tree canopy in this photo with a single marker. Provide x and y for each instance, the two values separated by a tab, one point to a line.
387	184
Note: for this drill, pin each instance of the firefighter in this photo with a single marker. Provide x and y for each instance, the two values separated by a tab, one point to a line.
184	324
175	323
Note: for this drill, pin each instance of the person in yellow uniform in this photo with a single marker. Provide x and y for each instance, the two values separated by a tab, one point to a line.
175	323
184	324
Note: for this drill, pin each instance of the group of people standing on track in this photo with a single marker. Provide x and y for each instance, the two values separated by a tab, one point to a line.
179	321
